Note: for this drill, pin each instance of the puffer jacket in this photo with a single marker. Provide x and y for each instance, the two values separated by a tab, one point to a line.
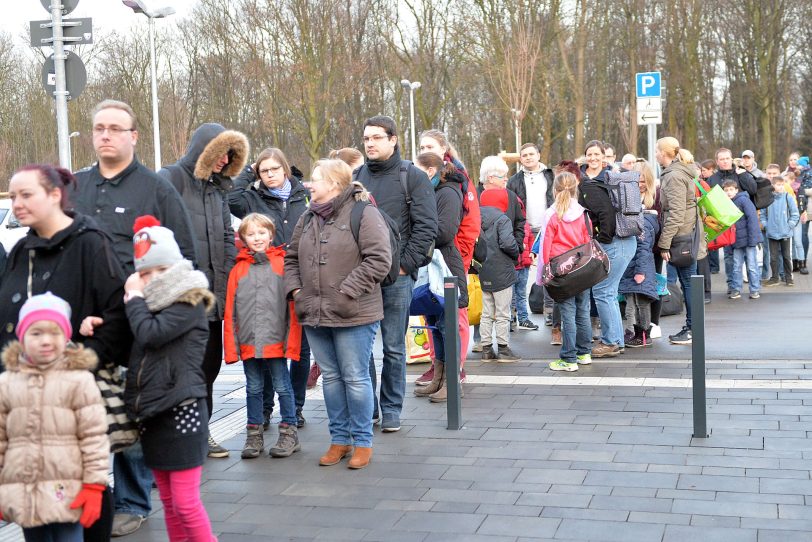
256	198
678	202
449	211
53	436
498	271
205	195
255	325
166	363
338	279
643	261
779	219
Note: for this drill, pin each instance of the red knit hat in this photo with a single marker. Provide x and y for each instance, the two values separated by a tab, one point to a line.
495	197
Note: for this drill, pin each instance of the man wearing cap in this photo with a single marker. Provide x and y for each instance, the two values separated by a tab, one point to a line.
749	163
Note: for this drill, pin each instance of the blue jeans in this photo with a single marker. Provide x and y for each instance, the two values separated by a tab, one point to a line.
396	300
54	532
133	482
713	260
729	266
255	369
798	252
684	276
343	354
519	301
298	379
746	255
805	238
765	262
620	251
576	327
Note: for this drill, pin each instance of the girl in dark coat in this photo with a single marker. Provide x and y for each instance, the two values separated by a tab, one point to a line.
639	283
447	183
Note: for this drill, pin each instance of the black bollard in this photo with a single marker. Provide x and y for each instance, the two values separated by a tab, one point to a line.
698	355
452	353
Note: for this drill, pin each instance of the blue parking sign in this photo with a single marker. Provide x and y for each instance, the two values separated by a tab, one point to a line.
649	85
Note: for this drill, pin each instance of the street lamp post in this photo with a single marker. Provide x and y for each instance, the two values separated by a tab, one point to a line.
411	86
139	6
516	116
70	149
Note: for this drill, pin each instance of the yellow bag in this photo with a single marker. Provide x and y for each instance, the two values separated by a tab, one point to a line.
474	300
417	341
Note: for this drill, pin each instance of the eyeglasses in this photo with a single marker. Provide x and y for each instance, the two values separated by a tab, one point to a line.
501	177
269	170
375	138
112	130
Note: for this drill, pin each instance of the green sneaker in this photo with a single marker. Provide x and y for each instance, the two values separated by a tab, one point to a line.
561	365
584	359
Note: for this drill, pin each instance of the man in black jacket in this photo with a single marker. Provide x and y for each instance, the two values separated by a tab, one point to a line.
416	212
115	192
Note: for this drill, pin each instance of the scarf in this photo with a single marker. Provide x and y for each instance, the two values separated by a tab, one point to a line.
165	289
322	210
282	193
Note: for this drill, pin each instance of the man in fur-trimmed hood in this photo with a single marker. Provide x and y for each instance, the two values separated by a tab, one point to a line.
203	178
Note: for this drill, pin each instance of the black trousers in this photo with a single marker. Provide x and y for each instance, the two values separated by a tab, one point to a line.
212	360
102	529
782	245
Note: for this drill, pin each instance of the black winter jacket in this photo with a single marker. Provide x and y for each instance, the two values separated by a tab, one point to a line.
516	185
204	193
744	179
79	265
115	204
593	195
498	271
449	216
418	222
256	198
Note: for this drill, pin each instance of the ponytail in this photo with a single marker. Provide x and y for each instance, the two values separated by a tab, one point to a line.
565	187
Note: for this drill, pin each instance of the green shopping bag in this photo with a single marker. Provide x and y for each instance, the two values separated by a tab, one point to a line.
718	211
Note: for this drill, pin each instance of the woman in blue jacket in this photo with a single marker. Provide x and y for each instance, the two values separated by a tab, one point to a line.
639	282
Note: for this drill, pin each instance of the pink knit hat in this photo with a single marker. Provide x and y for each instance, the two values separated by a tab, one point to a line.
46	306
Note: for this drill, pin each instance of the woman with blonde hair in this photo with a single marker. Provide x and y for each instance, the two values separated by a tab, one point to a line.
650	196
566	227
679	210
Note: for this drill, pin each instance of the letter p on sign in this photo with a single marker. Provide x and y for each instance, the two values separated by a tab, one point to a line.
649	85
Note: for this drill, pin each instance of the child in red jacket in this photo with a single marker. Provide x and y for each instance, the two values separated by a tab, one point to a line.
257	332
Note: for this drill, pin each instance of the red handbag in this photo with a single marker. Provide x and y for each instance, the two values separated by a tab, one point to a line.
727	238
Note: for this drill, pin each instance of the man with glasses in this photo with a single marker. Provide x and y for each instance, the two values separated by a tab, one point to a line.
114	191
404	193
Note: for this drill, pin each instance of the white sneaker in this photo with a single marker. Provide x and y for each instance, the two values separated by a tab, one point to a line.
656	332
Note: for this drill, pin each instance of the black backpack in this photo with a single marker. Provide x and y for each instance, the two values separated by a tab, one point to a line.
764	193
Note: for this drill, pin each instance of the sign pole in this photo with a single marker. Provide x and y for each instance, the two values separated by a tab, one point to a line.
652	149
156	130
61	93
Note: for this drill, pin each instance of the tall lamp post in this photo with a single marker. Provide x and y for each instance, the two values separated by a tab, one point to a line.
411	87
139	6
516	126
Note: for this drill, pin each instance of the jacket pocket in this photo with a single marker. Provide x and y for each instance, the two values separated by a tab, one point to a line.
343	305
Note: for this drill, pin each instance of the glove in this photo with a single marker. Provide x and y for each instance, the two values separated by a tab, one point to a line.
90	501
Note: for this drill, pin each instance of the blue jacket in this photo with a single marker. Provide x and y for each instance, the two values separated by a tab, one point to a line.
780	218
643	261
748	231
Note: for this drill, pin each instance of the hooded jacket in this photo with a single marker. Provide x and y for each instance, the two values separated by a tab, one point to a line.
642	262
205	195
471	222
779	219
449	212
748	227
498	271
255	325
593	194
257	198
78	264
339	280
565	233
678	202
53	436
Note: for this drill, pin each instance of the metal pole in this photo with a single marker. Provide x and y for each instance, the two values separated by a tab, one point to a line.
452	354
698	355
61	93
652	150
156	128
411	114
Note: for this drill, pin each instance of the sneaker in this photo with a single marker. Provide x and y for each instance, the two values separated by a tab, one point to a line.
683	337
254	442
215	450
771	282
707	299
488	354
462	376
556	336
639	341
477	347
266	419
512	325
584	359
735	294
124	524
561	365
628	335
300	419
313	375
376	418
288	441
390	424
548	320
603	350
506	355
527	324
426	378
790	282
656	332
755	295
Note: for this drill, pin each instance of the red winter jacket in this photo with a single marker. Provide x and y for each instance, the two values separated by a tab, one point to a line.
526	258
471	222
561	235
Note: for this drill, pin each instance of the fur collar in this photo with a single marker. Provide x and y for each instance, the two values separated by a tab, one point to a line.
178	284
76	357
228	141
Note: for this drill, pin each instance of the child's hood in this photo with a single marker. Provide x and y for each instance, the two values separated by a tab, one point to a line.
574	212
248	255
76	357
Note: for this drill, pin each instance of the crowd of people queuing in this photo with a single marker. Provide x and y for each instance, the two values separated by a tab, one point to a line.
126	270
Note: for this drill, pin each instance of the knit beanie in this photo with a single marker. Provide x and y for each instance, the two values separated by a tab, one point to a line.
803	161
45	306
154	245
495	197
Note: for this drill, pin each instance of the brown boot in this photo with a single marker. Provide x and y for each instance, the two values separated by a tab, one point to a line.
556	338
442	394
335	454
436	382
360	458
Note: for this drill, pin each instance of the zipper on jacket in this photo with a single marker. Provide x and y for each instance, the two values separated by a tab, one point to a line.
138	384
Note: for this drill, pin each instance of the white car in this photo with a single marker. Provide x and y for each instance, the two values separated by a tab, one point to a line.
10	230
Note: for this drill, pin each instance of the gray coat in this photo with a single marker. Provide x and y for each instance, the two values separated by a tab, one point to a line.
498	271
